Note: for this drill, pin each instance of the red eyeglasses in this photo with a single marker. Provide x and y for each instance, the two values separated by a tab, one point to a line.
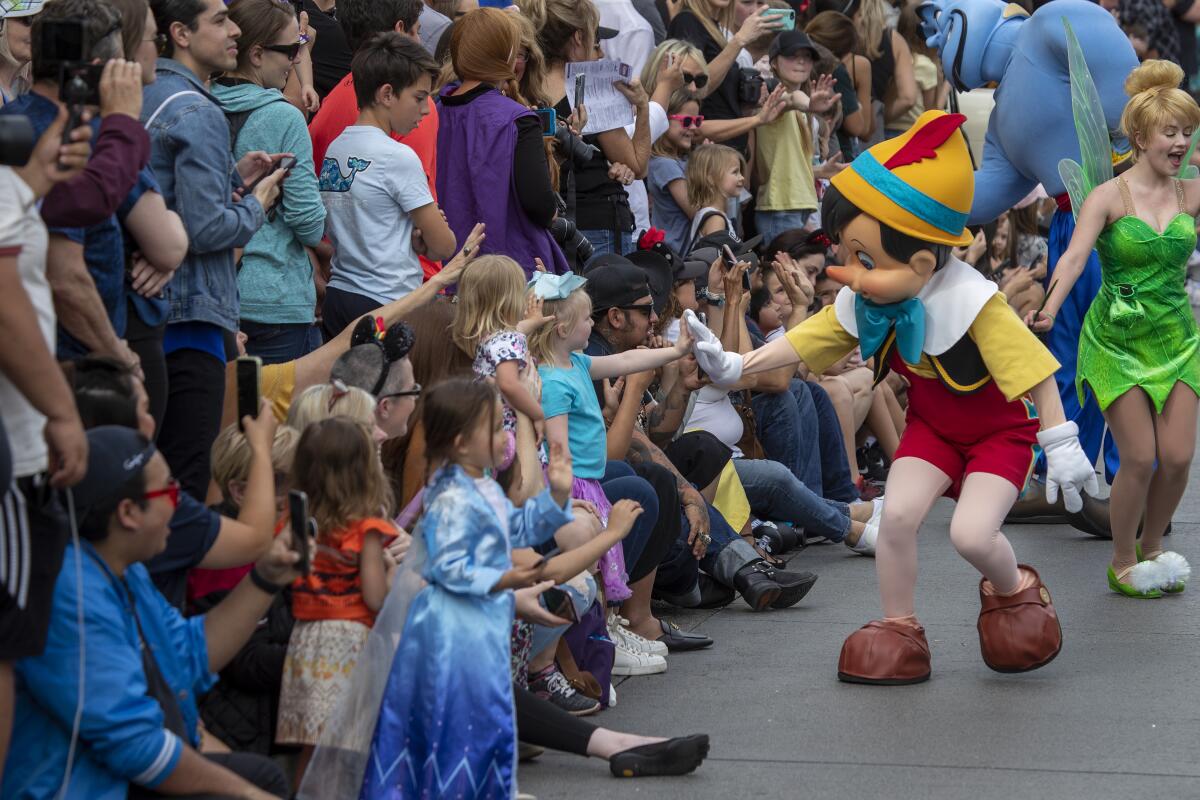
170	491
688	120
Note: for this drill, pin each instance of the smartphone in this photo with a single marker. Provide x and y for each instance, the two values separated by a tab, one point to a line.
580	88
301	526
286	163
249	382
558	603
62	41
549	119
786	15
79	84
731	262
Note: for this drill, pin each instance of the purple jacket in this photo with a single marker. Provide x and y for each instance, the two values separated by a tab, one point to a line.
475	181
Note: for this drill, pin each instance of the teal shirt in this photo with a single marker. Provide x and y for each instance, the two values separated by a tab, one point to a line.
275	281
570	392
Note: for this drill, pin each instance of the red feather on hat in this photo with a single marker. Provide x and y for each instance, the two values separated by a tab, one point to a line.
925	142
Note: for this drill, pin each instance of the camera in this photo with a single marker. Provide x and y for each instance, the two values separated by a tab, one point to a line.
576	151
16	140
63	45
750	86
575	246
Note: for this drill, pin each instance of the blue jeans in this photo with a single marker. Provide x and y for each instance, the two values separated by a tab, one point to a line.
278	344
772	223
775	494
799	428
620	482
605	242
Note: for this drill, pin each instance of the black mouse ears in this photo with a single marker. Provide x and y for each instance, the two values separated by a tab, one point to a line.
395	341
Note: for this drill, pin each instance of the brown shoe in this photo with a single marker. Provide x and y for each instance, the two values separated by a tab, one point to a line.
1021	632
886	653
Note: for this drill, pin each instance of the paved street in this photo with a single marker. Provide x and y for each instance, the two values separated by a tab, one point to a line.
1116	715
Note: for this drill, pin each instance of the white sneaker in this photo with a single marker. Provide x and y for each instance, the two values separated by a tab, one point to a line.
617	630
627	662
865	546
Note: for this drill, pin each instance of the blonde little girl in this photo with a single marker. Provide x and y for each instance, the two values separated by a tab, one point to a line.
667	179
574	419
715	175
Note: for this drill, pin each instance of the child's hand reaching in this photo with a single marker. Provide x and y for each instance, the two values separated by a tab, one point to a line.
534	318
683	345
559	473
519	577
624	513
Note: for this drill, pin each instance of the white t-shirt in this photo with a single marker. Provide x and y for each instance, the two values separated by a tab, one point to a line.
371	184
714	412
636	42
639	200
23	234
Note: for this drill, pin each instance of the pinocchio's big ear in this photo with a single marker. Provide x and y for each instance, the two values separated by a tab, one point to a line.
923	262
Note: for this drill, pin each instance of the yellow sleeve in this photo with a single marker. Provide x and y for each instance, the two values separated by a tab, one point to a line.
1015	357
821	341
278	386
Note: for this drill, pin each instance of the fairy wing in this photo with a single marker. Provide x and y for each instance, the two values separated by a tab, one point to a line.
1095	148
1188	171
1074	179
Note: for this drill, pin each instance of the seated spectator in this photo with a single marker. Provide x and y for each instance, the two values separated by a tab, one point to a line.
380	212
275	275
667	178
379	365
240	711
715	176
482	125
143	663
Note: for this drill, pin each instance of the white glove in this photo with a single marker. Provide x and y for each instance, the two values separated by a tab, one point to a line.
1067	466
724	369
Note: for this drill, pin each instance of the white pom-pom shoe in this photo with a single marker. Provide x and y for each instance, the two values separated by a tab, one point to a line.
1142	580
1174	570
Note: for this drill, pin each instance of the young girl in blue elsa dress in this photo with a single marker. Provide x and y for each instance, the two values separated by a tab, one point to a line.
446	726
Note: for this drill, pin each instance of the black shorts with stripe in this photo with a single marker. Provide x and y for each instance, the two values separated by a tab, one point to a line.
33	535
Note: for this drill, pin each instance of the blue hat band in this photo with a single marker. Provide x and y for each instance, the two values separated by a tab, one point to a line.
913	200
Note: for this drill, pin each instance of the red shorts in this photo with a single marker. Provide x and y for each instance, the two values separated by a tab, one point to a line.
1007	453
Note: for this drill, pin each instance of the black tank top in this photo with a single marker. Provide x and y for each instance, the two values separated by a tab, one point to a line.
883	68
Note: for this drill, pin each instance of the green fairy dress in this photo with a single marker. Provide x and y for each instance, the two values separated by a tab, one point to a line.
1140	330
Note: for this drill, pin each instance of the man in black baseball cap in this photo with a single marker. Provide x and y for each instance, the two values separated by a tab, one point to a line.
622	304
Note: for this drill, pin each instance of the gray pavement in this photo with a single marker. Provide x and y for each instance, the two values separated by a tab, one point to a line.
1116	715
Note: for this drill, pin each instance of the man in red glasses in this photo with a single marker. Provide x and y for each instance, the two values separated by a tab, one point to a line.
143	662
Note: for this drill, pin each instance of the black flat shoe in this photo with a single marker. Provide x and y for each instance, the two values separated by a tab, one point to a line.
678	640
677	756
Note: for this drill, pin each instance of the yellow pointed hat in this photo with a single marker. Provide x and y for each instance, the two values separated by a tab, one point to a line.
921	183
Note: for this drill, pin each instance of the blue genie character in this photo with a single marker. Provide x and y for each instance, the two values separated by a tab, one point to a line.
1032	129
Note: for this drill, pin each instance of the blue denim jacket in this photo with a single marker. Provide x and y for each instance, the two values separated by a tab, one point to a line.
190	155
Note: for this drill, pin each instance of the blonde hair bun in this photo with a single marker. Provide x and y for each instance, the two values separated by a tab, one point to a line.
1154	74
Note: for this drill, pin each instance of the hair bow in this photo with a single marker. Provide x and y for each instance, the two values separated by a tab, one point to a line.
651	237
555	287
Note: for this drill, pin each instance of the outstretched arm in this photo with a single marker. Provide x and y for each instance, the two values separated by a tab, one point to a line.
1092	219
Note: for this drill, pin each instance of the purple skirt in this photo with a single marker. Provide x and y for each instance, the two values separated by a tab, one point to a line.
612	563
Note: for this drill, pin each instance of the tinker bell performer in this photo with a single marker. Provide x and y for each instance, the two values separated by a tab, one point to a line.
897	211
1138	350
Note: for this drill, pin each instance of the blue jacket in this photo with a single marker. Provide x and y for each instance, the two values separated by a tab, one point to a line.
121	733
275	280
189	141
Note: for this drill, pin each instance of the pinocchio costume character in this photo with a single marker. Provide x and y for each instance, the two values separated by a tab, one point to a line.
972	365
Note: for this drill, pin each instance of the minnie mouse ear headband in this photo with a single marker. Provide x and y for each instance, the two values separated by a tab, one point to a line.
555	287
373	350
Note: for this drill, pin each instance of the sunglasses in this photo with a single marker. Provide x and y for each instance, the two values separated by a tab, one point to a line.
290	50
688	120
171	492
160	42
413	392
645	308
700	80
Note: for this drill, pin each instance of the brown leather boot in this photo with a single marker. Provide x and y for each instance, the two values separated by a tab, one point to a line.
1020	632
885	652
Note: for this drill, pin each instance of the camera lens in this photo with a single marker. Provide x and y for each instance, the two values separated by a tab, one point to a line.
16	140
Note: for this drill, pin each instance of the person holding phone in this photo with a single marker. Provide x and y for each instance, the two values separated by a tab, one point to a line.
275	282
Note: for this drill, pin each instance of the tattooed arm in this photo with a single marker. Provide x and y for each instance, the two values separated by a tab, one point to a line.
643	451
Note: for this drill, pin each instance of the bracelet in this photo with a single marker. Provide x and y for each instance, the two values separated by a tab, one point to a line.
715	299
262	583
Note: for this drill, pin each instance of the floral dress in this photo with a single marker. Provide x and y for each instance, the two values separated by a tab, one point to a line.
494	351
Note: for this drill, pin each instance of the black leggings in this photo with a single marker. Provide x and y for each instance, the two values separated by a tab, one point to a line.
147	342
251	767
542	723
668	526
